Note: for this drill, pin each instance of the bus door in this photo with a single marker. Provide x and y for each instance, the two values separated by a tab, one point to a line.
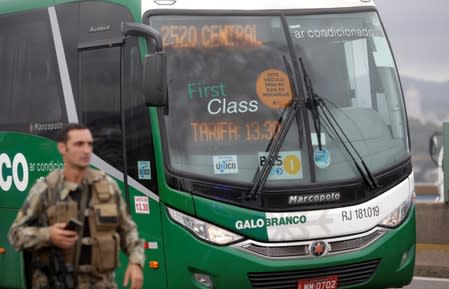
109	100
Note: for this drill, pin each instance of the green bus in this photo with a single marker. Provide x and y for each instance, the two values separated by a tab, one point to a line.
259	144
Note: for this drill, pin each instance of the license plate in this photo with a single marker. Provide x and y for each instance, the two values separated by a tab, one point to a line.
328	282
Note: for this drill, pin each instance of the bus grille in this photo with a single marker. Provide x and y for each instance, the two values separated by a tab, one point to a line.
356	243
351	274
302	250
278	252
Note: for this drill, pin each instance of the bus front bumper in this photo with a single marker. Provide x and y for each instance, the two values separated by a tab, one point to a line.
193	263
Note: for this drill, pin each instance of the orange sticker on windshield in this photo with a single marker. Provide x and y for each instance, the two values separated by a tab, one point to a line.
273	88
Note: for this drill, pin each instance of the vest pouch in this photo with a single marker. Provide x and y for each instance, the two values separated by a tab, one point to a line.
105	253
106	217
62	212
51	215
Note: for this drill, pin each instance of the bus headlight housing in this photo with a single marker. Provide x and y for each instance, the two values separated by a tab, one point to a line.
204	230
396	217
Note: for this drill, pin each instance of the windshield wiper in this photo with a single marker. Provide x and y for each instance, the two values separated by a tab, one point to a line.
315	103
278	139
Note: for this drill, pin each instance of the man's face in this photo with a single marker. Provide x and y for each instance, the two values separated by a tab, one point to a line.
77	150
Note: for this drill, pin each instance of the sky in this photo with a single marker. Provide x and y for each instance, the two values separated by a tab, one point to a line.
418	31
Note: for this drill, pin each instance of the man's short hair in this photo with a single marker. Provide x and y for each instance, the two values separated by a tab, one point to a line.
63	134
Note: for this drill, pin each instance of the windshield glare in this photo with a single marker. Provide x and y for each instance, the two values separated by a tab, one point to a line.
228	89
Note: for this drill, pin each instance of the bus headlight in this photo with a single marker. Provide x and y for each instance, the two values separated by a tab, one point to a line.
399	214
204	230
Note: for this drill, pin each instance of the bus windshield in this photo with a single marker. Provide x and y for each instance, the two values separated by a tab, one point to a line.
229	88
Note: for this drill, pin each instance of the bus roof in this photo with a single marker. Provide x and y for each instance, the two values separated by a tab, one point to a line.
251	4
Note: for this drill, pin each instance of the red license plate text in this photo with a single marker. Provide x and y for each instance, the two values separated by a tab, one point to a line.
328	282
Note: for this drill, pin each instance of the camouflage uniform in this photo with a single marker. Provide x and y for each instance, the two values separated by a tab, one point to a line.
28	232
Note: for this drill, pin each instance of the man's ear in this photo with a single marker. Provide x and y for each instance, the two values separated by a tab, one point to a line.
61	147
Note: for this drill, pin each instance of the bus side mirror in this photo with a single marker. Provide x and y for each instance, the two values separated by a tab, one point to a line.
435	146
155	79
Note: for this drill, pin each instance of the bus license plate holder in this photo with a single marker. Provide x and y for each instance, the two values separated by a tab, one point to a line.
327	282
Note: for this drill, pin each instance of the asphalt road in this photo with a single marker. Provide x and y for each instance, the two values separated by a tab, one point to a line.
428	283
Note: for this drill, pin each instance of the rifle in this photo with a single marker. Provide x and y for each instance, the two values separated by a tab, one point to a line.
60	274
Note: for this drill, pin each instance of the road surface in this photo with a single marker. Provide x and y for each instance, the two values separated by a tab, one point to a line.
428	283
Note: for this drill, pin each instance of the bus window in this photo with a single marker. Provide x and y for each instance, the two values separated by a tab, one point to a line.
31	98
139	147
98	101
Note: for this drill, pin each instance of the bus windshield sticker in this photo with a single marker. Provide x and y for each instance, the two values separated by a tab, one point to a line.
144	170
273	88
287	166
322	158
225	164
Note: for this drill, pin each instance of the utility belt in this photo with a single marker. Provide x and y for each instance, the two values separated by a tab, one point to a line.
85	270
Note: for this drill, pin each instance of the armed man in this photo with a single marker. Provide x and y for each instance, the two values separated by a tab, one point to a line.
88	259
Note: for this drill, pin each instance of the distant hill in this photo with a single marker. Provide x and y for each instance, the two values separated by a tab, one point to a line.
427	101
427	108
420	134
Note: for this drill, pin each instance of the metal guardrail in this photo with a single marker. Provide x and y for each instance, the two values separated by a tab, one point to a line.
426	189
428	192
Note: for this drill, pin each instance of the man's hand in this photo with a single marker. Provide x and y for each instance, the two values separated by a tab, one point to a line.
133	272
62	238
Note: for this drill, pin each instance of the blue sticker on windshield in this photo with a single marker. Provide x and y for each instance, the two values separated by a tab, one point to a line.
144	168
322	158
225	165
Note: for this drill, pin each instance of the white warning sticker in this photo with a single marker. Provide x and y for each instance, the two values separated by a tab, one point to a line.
141	205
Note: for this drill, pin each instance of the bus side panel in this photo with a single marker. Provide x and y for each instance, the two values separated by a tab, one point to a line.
145	212
23	159
11	264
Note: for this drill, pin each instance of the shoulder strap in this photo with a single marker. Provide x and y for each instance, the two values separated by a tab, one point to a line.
52	180
100	185
94	176
81	216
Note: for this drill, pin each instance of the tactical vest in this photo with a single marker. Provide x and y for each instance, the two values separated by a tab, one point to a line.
103	217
